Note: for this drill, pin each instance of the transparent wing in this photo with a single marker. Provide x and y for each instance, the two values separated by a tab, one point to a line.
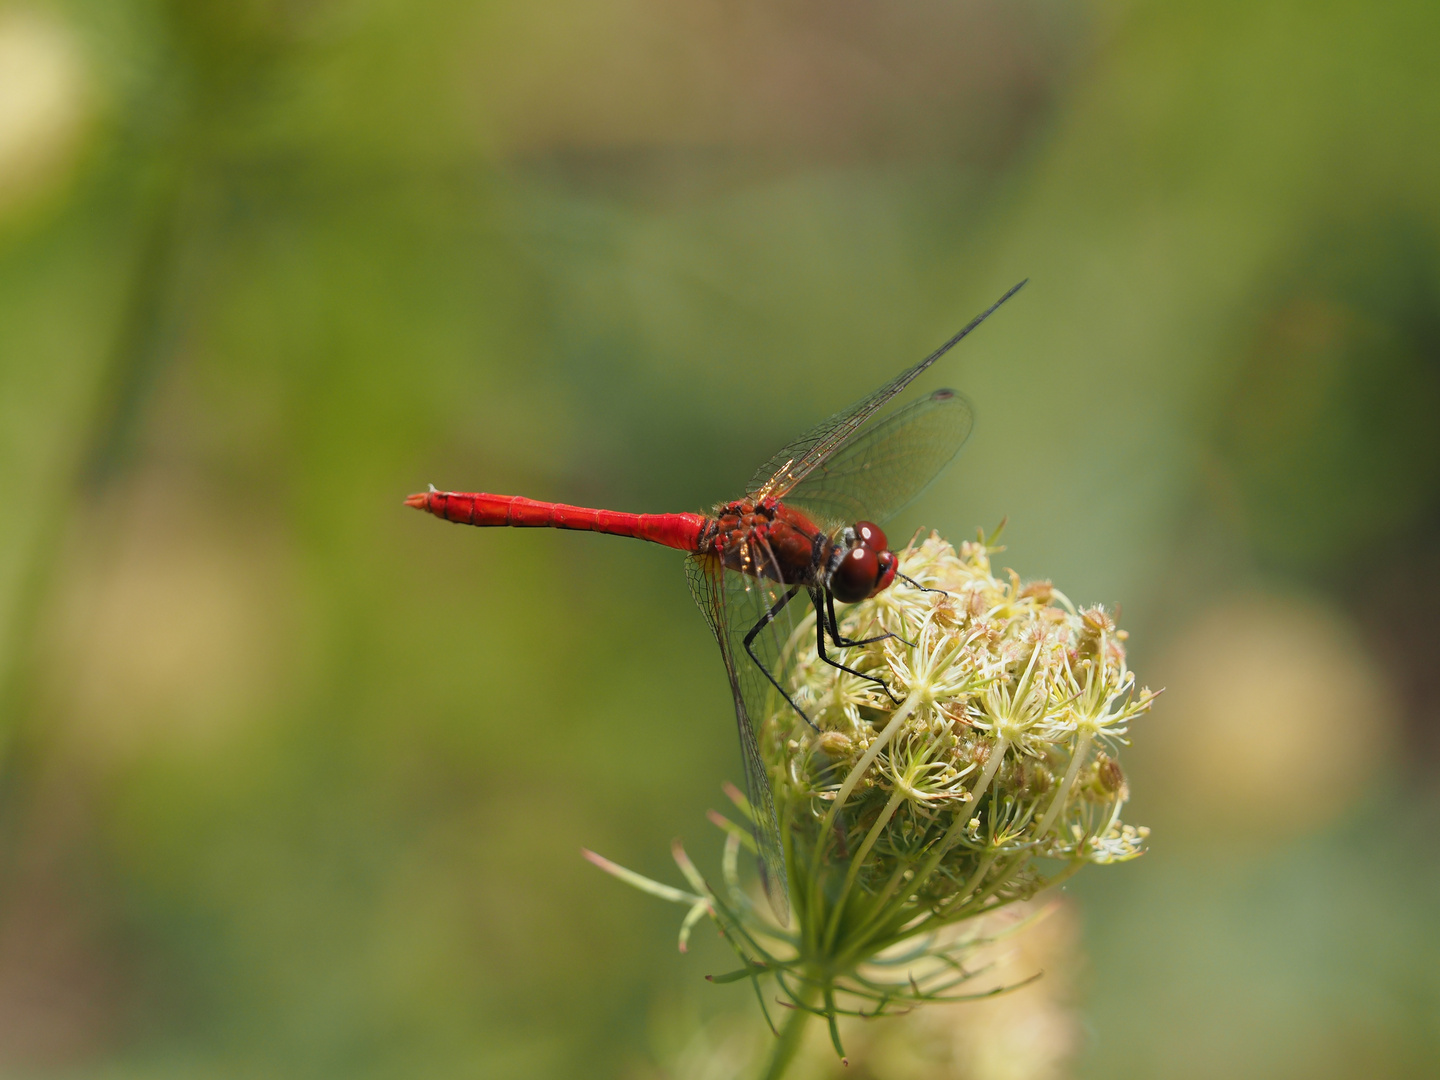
735	604
883	469
779	476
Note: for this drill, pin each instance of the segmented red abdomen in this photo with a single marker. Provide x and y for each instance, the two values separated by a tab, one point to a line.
682	531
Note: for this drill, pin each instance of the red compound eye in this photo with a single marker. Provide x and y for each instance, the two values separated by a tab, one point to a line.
855	577
888	565
871	535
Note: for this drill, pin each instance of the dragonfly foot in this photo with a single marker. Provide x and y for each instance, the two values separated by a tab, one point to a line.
801	711
888	692
922	588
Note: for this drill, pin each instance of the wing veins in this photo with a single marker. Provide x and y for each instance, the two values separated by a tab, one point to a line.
707	579
779	476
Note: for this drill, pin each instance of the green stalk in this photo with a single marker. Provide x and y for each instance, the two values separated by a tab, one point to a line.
886	909
997	754
1077	758
792	1036
857	861
878	936
981	786
851	780
862	766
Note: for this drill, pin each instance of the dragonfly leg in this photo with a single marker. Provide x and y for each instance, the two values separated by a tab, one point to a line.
821	627
833	626
766	620
917	585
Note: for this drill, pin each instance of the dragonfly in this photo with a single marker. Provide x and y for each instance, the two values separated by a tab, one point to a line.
809	522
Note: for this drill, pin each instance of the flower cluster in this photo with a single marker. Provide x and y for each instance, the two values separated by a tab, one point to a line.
982	771
997	748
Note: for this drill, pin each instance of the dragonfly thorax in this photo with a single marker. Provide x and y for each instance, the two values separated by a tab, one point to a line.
767	538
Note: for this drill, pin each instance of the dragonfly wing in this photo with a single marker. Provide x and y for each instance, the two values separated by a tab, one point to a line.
884	468
734	604
779	476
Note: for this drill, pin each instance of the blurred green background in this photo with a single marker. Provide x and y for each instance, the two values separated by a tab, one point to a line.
295	779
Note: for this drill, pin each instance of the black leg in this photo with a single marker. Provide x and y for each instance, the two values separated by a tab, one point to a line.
846	643
834	627
821	627
917	585
766	620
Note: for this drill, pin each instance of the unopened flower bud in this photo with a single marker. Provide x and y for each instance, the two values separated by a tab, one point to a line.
1042	591
1096	621
1109	778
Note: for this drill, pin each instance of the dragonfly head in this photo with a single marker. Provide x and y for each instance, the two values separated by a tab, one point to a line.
865	564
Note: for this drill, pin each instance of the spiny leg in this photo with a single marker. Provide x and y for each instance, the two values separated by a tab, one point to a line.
833	627
821	627
917	585
766	620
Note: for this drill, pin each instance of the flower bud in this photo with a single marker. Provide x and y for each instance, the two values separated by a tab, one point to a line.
1108	778
1041	591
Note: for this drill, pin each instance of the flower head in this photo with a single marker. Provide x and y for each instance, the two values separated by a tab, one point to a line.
982	771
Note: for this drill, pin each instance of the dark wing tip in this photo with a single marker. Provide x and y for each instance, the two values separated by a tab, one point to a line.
778	895
1008	294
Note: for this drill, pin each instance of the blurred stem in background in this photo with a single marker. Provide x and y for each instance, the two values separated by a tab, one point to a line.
165	162
791	1037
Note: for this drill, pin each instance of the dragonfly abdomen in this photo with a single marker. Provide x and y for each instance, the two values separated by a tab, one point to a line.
682	531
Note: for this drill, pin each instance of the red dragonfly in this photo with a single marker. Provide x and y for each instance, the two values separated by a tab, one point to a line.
807	522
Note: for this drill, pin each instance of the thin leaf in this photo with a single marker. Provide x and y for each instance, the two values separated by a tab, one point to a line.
693	916
720	821
749	971
735	795
641	882
692	875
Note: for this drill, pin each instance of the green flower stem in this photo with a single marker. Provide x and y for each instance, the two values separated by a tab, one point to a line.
858	861
973	904
884	911
973	900
1082	747
896	922
992	766
827	827
862	766
792	1035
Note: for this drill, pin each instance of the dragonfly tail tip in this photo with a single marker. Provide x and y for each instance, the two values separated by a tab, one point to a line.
418	501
